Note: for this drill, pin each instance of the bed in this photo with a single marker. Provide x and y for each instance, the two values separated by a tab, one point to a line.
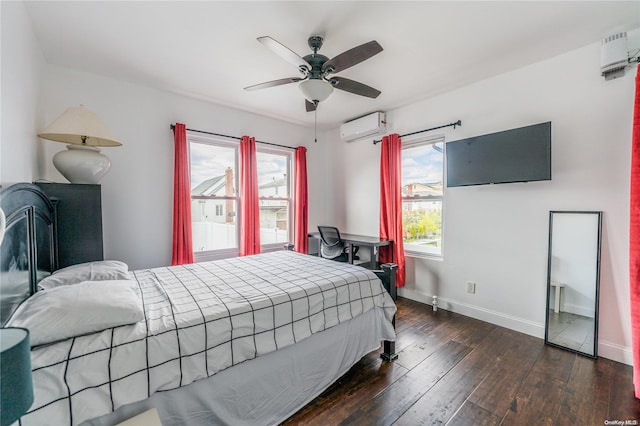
239	341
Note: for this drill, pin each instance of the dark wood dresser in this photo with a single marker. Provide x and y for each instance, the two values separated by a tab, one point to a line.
79	216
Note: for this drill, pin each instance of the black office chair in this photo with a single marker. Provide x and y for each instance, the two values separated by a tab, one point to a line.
332	246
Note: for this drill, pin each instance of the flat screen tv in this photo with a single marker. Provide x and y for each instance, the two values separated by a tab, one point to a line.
516	155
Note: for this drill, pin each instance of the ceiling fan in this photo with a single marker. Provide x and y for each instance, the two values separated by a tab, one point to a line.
317	83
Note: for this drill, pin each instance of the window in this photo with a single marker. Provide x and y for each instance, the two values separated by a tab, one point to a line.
422	195
214	166
274	191
214	195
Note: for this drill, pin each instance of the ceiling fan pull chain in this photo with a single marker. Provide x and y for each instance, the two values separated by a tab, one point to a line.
315	124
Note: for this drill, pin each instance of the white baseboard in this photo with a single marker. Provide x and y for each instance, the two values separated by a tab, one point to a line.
606	349
615	352
580	310
498	318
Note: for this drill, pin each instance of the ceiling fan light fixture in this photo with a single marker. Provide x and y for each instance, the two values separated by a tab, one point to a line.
316	90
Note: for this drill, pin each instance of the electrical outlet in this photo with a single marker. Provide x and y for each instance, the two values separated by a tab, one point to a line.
471	287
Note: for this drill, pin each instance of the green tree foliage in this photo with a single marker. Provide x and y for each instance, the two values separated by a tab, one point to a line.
421	224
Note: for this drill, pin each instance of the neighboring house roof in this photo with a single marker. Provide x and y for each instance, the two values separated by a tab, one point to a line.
422	189
209	186
273	184
214	185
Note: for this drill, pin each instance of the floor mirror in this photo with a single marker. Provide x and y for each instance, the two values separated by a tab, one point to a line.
573	281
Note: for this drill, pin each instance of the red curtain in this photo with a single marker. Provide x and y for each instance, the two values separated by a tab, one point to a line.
182	251
391	203
249	201
301	209
634	238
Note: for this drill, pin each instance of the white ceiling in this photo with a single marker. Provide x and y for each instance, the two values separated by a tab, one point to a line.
208	50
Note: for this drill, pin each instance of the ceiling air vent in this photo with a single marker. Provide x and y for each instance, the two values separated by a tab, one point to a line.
614	56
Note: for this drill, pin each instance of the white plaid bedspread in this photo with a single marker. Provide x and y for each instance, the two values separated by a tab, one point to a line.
200	319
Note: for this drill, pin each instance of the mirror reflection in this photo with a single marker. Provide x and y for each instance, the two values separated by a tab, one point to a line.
573	280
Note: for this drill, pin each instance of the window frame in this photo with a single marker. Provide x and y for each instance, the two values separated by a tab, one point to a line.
201	256
287	152
415	250
206	255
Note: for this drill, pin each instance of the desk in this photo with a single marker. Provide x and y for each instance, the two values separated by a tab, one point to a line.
373	243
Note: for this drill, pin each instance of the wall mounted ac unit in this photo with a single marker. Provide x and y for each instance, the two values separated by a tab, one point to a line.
369	125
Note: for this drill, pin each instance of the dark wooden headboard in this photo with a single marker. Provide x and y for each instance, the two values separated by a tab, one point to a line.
28	251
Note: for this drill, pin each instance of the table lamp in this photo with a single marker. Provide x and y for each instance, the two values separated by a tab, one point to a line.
16	387
81	128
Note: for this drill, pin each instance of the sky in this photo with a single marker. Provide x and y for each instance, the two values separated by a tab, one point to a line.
209	161
422	164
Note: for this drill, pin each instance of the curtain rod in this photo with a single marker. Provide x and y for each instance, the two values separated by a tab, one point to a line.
457	123
232	137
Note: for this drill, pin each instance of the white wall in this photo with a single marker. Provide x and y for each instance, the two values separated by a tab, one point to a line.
574	261
137	192
497	236
22	65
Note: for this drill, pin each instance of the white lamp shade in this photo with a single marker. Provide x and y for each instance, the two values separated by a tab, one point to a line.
316	90
79	126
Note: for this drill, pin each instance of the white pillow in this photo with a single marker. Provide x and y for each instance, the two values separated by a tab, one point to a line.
74	310
91	271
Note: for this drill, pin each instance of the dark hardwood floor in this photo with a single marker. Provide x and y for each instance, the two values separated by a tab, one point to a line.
456	370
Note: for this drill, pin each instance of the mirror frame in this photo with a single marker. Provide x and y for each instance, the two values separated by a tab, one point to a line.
597	283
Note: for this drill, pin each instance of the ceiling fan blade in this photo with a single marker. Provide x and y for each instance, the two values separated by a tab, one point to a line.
354	87
274	83
309	105
352	57
284	52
